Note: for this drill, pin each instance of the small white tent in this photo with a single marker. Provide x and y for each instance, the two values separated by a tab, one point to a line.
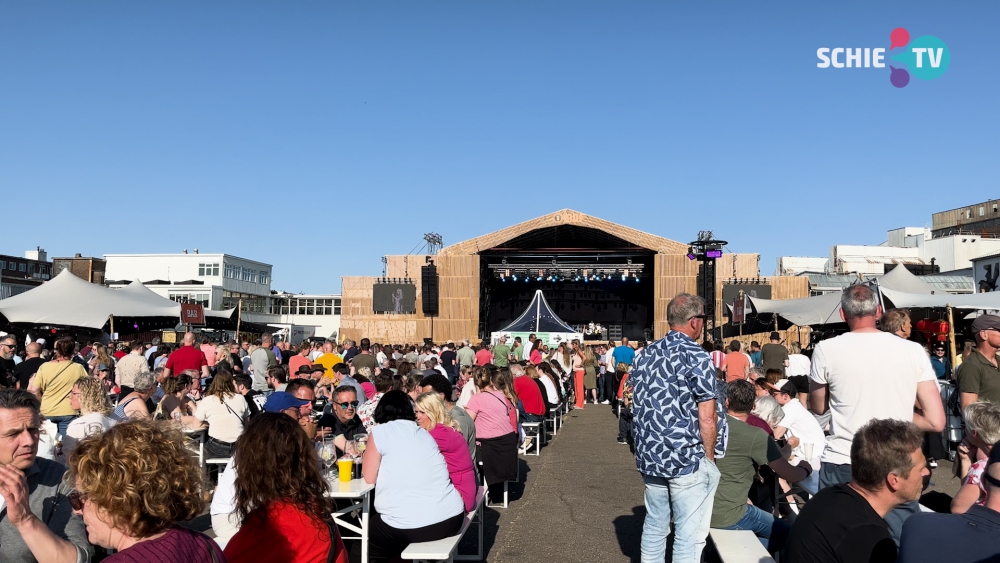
540	320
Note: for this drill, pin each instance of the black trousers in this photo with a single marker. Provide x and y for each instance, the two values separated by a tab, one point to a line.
386	542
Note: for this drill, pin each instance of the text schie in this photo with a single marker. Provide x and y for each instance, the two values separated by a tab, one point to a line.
841	57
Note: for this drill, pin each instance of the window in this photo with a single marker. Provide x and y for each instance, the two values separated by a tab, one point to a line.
982	211
968	214
196	298
232	272
994	208
208	270
3	264
21	267
264	277
336	306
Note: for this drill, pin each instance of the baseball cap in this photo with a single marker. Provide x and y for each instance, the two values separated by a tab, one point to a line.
279	401
787	387
986	322
102	367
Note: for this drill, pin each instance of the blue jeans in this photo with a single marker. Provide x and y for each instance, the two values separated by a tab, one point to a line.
771	531
62	422
689	499
831	474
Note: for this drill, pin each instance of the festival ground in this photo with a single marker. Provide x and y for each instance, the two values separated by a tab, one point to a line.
581	500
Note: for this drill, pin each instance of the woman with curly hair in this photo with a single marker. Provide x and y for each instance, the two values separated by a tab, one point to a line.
279	497
133	483
89	398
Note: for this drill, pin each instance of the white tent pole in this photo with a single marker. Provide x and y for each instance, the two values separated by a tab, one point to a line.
538	309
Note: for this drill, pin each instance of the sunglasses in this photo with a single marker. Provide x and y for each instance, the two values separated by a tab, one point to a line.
702	316
350	405
76	500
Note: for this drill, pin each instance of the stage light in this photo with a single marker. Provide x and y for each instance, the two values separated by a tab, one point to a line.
691	254
624	277
637	278
539	278
713	254
514	277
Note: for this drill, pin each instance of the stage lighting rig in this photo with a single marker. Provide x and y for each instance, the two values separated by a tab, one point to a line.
707	249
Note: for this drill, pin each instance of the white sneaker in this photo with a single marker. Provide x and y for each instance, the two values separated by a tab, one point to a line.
605	402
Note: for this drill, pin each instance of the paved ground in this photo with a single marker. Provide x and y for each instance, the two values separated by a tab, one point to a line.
581	500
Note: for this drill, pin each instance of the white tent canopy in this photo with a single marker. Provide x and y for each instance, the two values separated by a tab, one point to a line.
899	286
67	300
541	320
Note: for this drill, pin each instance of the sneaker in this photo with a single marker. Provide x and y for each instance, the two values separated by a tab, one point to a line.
623	441
933	463
605	402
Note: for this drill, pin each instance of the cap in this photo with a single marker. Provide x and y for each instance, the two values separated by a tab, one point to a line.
102	367
279	401
775	336
986	322
787	387
304	369
40	341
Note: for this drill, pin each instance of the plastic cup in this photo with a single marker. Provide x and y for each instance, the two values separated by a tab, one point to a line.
345	466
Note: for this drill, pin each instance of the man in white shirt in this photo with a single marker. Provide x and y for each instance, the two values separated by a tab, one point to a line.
801	428
867	374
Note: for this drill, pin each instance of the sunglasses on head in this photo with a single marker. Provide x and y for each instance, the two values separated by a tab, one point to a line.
350	405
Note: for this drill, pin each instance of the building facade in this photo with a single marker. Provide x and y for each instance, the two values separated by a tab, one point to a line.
981	219
216	281
18	275
84	267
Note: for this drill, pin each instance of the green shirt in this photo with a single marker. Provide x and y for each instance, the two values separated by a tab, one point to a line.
501	353
518	352
466	356
747	445
981	377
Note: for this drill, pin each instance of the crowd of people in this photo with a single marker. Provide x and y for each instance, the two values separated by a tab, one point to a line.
97	463
822	453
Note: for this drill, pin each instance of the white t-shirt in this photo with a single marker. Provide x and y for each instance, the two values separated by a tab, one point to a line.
798	364
80	428
870	375
414	487
552	395
803	425
224	499
223	424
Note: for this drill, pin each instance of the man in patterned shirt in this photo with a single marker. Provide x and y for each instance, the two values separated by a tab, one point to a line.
679	431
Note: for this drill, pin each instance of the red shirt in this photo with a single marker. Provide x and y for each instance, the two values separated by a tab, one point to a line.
178	544
484	357
120	354
184	358
529	393
283	534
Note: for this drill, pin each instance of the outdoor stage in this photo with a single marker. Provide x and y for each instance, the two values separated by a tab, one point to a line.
589	269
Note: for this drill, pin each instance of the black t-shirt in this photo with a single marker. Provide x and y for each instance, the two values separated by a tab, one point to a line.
255	401
448	358
24	370
7	371
839	526
352	427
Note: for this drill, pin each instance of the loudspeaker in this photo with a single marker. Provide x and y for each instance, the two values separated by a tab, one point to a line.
429	289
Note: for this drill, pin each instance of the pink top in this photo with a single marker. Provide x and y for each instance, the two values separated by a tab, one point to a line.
975	477
536	357
456	454
368	388
484	357
495	416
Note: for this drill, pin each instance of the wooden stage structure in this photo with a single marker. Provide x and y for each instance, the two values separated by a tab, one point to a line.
459	270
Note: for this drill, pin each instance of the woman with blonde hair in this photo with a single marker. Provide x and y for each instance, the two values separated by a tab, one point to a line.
433	416
89	398
224	411
578	374
133	483
982	425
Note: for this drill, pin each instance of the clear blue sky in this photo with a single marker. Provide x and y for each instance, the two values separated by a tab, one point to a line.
318	136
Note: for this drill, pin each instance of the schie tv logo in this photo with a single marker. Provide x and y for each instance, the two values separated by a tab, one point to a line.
926	57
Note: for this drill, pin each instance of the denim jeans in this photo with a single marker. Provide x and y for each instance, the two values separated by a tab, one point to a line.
689	499
62	422
770	531
831	474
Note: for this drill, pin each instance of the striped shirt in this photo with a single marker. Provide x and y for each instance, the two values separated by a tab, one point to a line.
178	545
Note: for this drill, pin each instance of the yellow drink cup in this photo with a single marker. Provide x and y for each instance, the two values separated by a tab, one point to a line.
345	466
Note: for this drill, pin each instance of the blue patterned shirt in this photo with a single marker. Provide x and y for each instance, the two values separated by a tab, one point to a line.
669	379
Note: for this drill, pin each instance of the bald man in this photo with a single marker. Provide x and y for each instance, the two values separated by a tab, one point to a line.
187	357
24	370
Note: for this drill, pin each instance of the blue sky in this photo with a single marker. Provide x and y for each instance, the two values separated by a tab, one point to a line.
318	136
